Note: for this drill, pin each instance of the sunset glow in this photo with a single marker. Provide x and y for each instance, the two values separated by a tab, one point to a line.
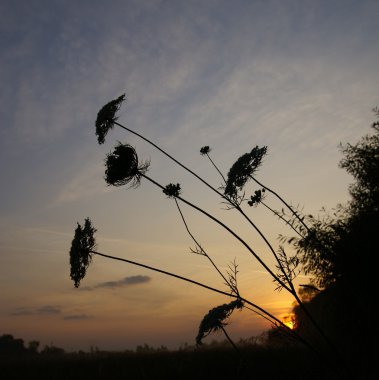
289	321
297	77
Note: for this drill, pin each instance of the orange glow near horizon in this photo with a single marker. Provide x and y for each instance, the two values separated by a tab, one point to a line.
289	321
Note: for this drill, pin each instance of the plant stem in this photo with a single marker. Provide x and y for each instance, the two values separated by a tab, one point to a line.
289	288
281	217
231	341
238	208
201	248
225	227
268	315
283	201
216	167
228	201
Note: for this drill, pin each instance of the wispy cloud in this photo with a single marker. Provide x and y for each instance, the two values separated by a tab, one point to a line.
76	317
20	311
48	309
127	281
42	310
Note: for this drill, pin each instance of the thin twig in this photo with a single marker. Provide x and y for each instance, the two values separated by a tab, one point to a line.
198	245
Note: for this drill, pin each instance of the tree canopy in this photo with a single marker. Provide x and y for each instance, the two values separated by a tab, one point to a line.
340	253
342	246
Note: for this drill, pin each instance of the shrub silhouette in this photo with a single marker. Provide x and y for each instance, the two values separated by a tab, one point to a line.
339	251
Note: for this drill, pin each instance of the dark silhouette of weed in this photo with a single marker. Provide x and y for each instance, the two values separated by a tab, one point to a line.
123	167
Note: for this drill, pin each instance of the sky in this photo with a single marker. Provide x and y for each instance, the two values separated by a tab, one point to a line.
299	77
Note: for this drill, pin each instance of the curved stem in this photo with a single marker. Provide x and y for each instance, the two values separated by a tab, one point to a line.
291	288
271	249
281	217
284	202
171	158
260	309
201	248
301	304
164	272
230	341
238	208
273	275
222	196
216	167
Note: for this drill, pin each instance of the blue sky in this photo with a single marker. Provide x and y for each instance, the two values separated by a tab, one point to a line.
297	76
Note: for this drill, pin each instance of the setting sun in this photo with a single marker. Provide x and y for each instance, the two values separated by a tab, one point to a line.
289	321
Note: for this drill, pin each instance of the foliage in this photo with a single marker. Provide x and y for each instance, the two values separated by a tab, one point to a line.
362	162
12	346
339	252
338	247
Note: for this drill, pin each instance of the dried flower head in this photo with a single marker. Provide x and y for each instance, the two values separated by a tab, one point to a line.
243	169
256	198
215	319
106	118
172	190
205	150
122	166
80	255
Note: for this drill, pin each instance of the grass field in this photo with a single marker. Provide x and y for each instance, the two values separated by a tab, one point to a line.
212	363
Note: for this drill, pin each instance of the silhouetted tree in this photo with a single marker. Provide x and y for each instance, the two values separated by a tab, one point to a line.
340	252
341	247
10	345
33	346
52	351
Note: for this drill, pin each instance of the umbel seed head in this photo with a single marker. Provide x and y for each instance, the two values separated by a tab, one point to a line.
122	166
205	150
216	319
243	169
80	255
256	198
172	190
106	118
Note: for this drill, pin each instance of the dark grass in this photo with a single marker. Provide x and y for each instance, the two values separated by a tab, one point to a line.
216	363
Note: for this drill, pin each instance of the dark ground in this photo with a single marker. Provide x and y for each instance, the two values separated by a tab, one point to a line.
257	363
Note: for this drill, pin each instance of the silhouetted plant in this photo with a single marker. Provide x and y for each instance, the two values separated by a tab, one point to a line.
123	167
257	198
171	190
80	253
242	170
216	319
106	118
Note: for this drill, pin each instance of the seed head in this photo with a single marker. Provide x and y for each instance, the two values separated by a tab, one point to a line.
106	118
215	319
172	190
122	166
205	150
256	198
243	169
80	255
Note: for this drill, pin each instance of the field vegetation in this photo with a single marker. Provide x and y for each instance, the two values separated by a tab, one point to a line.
214	360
